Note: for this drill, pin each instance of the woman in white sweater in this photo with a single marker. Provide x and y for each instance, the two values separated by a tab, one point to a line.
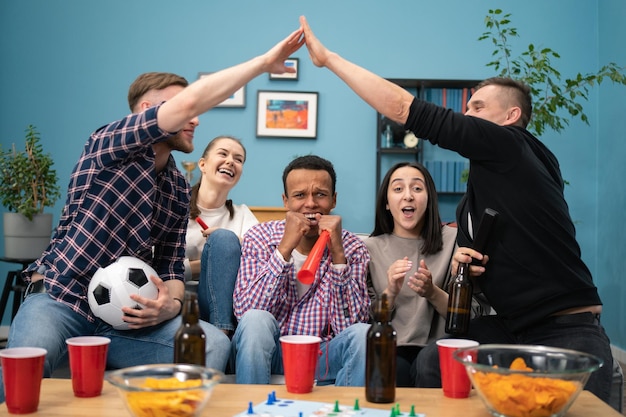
411	256
213	254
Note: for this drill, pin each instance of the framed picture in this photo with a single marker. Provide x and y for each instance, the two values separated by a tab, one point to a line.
290	63
286	114
238	99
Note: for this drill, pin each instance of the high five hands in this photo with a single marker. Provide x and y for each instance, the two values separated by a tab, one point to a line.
318	52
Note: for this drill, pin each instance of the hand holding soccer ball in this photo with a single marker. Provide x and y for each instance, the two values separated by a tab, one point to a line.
110	289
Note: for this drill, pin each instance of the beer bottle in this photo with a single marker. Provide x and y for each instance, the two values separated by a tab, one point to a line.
190	340
380	365
459	302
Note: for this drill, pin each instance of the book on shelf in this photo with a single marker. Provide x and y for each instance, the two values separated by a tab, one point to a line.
451	179
447	175
443	177
464	99
459	168
451	98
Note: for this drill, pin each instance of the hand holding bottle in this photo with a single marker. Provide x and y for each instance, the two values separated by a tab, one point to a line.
460	302
461	288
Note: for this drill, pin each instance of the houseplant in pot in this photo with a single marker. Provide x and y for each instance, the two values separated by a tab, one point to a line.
28	184
555	100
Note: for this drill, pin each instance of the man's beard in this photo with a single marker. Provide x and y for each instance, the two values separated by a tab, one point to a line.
175	143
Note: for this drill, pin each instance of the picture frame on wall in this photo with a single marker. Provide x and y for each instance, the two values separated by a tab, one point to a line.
293	76
238	99
287	114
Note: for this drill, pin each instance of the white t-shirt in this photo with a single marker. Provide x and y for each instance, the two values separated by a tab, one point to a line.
242	220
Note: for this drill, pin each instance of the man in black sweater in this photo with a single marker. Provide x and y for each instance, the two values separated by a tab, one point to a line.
535	279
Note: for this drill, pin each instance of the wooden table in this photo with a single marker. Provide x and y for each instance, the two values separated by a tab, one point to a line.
57	400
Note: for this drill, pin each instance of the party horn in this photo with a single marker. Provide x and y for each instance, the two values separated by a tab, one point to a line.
306	275
201	223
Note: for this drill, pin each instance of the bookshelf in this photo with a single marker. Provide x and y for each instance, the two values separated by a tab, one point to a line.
446	167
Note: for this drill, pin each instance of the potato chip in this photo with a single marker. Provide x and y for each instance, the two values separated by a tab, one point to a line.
169	403
519	395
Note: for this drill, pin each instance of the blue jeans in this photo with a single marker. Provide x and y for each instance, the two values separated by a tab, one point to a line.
257	353
218	271
44	322
572	331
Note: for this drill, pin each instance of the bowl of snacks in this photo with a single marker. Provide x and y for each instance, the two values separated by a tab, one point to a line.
165	389
527	380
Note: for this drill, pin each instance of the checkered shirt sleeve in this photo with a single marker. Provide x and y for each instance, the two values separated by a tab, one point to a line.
336	299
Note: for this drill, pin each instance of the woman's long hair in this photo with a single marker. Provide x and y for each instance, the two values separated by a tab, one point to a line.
431	232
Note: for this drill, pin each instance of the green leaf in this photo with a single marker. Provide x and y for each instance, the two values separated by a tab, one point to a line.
28	183
535	68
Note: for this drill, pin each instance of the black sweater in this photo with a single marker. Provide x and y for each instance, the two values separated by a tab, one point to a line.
535	266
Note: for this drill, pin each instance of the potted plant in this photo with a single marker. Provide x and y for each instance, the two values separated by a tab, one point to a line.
552	96
28	184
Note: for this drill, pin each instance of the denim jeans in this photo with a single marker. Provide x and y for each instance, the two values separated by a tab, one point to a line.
46	323
218	271
257	354
572	331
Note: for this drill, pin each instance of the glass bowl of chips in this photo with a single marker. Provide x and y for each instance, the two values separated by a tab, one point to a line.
527	380
173	390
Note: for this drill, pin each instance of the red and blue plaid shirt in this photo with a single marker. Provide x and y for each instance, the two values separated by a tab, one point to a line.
336	299
117	204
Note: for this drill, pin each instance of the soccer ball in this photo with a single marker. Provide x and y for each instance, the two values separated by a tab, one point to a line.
111	286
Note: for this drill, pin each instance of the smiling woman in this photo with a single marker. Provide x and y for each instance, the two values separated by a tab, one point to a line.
213	250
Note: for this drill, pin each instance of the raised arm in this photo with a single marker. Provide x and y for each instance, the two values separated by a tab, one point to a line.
211	90
384	96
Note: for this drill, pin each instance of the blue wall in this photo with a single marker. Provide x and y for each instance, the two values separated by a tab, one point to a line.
611	195
66	67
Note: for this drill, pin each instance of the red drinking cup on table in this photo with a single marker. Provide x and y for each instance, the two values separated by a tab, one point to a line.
454	379
300	354
306	275
22	372
88	359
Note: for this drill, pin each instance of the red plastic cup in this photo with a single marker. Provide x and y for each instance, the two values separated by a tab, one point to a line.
454	378
88	358
300	355
22	371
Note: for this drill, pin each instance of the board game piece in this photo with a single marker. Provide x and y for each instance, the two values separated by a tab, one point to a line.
298	408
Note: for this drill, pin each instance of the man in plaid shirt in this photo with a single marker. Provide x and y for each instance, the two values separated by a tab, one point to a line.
270	302
126	197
